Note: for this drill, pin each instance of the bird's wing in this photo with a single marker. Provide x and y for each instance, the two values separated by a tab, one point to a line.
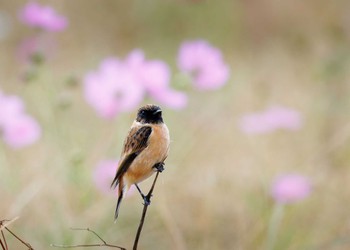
135	142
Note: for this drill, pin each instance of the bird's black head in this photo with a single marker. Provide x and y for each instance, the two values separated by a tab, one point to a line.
149	114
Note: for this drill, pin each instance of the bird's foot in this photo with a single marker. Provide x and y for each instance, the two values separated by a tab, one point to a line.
146	200
159	167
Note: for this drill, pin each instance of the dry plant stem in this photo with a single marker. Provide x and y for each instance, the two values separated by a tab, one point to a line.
3	236
87	245
103	244
2	246
18	238
145	206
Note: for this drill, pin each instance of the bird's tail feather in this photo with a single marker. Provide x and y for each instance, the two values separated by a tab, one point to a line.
120	198
115	182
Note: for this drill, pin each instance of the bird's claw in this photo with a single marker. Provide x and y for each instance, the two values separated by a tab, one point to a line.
146	200
159	167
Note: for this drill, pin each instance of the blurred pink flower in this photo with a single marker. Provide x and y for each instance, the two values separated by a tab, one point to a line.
171	98
10	107
135	60
18	129
43	17
103	176
112	89
276	117
120	86
21	131
154	76
290	188
151	75
205	63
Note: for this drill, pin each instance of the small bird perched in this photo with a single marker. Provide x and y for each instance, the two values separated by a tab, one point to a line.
145	150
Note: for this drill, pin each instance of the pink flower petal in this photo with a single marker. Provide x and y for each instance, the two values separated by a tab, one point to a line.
135	59
21	131
99	97
120	86
113	88
155	75
103	176
290	188
10	108
274	118
212	78
43	17
205	63
282	117
170	98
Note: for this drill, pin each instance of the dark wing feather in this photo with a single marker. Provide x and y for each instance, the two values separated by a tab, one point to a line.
136	141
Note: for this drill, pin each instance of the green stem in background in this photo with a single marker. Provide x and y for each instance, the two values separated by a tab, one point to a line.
275	221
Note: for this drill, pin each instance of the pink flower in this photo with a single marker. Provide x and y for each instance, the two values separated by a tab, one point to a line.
21	131
10	108
112	89
276	117
290	188
103	176
43	17
18	129
120	86
170	98
135	60
205	63
154	76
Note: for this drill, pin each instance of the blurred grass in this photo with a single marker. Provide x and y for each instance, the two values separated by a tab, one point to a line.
214	192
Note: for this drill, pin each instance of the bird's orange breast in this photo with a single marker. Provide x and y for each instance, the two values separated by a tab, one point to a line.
155	152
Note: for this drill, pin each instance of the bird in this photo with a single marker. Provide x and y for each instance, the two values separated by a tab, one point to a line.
144	151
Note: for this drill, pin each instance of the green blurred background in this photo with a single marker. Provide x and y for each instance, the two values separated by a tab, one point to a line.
214	193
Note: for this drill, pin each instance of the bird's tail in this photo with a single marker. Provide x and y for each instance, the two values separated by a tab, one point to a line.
121	188
115	181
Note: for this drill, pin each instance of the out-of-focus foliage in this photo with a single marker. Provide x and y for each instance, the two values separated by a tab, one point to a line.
251	91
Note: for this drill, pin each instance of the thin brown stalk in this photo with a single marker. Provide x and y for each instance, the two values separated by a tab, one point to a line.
18	238
86	245
6	223
2	246
103	244
3	242
144	212
3	236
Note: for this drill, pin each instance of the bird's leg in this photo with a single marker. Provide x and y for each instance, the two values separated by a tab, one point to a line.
145	198
159	166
